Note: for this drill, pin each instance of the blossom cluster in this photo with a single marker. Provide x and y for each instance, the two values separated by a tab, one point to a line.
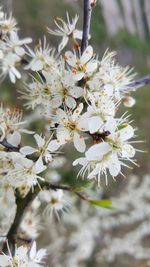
78	96
12	48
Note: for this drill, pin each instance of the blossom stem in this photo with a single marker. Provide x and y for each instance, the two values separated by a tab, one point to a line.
86	24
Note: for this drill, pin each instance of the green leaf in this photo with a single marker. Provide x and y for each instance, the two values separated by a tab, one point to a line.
103	203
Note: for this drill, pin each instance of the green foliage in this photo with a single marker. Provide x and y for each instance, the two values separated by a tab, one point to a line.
131	41
103	203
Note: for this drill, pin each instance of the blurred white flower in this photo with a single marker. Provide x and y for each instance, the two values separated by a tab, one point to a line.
56	203
13	52
23	257
43	57
11	126
66	30
7	25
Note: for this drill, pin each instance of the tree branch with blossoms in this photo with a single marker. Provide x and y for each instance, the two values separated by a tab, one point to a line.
77	97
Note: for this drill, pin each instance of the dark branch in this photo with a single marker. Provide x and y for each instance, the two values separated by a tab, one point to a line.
145	80
86	24
24	203
9	147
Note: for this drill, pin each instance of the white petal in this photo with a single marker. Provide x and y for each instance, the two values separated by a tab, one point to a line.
91	66
16	72
4	260
27	150
12	77
81	161
96	171
76	91
78	76
20	51
77	112
40	255
77	34
128	151
39	166
109	89
56	102
114	166
96	152
87	54
95	123
32	253
37	66
79	142
63	135
70	102
39	140
126	133
14	138
70	58
53	145
63	43
61	115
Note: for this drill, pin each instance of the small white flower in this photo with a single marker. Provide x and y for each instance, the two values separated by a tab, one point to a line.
45	148
109	154
84	65
10	126
23	257
42	57
100	110
70	127
7	25
55	202
19	172
13	52
66	30
64	89
111	78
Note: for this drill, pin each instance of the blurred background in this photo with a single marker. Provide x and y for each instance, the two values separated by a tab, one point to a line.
87	236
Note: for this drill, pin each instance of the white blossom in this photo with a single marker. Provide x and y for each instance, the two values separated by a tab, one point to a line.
11	126
45	148
43	57
55	202
70	127
13	52
82	66
109	154
23	257
66	30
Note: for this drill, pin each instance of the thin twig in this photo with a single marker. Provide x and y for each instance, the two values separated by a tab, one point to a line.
9	147
145	80
86	24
